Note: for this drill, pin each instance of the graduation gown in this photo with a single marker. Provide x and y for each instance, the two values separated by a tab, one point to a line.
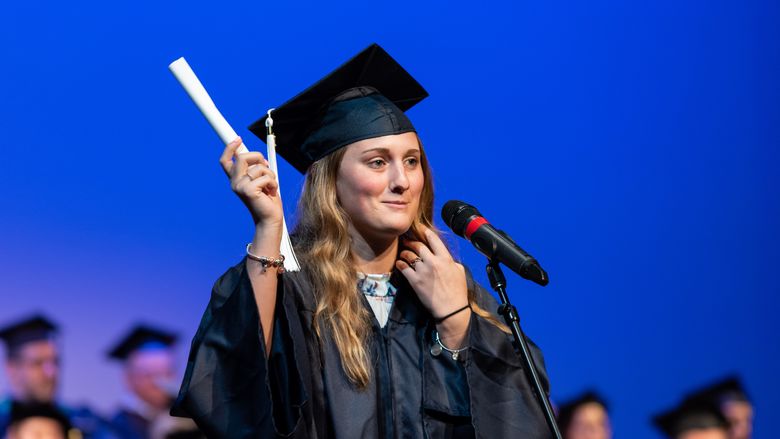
130	425
232	390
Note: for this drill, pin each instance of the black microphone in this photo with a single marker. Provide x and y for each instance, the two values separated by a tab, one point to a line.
466	221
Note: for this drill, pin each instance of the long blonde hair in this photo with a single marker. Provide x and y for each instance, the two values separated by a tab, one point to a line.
325	248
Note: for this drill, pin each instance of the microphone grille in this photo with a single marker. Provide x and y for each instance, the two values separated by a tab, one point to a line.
456	215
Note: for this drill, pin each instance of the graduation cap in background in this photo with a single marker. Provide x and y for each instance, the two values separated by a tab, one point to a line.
692	414
34	328
364	98
725	390
142	337
23	411
567	409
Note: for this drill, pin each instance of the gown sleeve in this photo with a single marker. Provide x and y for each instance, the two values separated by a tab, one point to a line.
488	382
230	388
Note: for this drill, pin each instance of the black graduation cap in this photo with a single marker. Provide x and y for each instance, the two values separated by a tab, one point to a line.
22	411
692	414
567	409
364	98
139	338
34	328
727	389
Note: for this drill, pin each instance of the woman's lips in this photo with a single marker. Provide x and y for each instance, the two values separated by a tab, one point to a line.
396	204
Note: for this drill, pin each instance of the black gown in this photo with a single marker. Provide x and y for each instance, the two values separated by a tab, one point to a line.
130	425
232	390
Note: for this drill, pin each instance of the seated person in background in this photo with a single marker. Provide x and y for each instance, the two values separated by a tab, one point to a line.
147	357
32	365
38	421
585	417
729	395
693	419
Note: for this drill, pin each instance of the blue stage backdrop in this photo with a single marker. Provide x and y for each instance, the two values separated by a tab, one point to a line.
632	147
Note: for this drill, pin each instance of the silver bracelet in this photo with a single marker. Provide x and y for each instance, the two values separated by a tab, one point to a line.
438	346
265	261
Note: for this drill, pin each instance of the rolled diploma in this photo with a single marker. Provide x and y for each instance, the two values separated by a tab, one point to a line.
186	77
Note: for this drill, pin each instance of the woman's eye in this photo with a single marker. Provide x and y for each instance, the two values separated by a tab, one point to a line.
412	161
376	163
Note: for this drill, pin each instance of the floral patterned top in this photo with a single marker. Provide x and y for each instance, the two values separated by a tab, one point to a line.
379	292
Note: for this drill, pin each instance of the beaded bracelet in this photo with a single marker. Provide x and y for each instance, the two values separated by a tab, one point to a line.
265	261
439	320
439	346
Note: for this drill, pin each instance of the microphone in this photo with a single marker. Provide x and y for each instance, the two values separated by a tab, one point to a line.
466	221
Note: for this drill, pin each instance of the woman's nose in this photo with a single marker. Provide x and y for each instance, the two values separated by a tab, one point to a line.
399	181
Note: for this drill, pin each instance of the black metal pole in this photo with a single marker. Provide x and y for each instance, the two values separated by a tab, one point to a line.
509	312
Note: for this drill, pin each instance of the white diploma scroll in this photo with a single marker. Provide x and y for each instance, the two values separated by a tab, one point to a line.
186	77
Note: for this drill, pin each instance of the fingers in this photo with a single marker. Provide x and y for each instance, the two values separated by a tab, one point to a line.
405	269
419	248
266	183
409	257
257	171
435	244
242	160
226	159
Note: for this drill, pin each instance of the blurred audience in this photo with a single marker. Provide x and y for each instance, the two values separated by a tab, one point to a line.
730	397
693	419
147	359
585	417
35	420
32	365
721	410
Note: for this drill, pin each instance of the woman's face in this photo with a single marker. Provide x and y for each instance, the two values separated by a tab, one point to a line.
379	184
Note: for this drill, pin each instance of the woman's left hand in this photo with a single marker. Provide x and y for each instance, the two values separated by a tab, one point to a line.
439	282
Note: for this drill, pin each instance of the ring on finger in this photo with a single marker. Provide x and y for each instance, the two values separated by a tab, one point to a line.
414	261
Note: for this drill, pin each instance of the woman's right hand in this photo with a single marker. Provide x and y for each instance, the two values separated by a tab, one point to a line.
255	184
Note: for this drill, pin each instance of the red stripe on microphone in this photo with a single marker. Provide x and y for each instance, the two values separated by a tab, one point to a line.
474	225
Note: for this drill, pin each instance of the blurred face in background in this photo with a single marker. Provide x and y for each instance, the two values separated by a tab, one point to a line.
590	421
707	433
740	417
33	371
148	374
36	428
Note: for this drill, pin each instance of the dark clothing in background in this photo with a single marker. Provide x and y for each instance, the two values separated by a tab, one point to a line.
130	425
232	391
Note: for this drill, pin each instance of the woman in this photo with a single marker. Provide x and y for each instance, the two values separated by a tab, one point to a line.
381	334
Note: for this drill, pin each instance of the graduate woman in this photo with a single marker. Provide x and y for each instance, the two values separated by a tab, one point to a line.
381	334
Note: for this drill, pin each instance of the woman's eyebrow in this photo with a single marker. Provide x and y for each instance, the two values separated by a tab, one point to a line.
387	151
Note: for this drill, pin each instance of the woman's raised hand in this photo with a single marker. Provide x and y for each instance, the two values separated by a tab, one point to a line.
438	280
255	184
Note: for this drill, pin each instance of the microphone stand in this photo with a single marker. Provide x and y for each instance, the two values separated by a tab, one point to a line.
509	312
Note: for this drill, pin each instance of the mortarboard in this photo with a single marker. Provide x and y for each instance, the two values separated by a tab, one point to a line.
142	337
31	329
726	389
21	411
567	409
692	414
364	98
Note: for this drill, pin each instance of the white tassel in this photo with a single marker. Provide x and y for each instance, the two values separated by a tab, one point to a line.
286	248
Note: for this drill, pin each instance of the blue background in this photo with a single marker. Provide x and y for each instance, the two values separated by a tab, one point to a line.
631	147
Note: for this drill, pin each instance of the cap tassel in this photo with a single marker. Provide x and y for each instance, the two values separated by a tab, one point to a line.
286	248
